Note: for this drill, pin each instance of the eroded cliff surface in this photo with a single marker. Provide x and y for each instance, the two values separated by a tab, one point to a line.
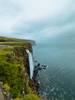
14	70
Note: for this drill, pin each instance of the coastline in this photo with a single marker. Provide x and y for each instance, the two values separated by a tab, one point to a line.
16	56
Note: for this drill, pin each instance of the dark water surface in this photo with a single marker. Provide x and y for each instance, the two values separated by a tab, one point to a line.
58	80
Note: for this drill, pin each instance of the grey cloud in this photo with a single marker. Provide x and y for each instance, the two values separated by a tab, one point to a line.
35	29
8	8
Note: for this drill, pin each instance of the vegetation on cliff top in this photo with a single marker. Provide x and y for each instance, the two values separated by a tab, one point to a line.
13	69
15	41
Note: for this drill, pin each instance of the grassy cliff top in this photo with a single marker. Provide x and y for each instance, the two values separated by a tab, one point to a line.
15	41
13	69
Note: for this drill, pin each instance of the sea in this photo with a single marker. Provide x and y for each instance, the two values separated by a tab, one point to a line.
57	81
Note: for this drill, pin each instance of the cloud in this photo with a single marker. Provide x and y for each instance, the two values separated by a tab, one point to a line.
36	19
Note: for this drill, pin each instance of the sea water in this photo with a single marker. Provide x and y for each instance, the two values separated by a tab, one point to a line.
57	82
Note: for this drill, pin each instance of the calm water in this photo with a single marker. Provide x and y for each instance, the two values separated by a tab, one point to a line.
58	80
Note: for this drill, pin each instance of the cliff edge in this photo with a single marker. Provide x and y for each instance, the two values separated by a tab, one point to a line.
15	82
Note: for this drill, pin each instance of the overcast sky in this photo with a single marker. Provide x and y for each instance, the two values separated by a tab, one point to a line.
36	19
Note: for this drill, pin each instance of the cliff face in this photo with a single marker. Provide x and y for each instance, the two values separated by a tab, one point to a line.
14	72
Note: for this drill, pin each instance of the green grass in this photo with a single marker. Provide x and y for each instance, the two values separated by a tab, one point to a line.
11	71
31	97
4	51
12	65
14	41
